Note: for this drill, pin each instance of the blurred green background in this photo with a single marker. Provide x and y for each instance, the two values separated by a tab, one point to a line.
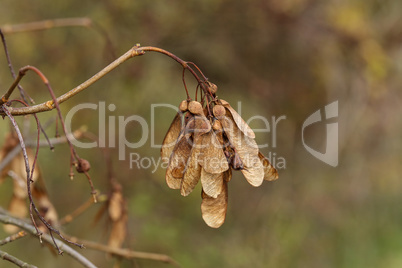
278	58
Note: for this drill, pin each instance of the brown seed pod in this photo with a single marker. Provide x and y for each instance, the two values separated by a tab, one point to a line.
219	110
214	209
83	166
171	138
217	126
197	125
183	107
18	208
212	87
241	124
195	108
270	173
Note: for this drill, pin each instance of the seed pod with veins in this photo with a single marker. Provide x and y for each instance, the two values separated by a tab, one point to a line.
183	107
241	124
195	108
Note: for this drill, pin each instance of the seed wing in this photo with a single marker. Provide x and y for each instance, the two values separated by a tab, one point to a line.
247	150
270	173
214	209
212	184
171	137
213	159
178	161
193	171
241	124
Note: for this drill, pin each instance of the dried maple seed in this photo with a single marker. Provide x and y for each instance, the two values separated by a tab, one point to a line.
183	107
212	184
212	87
241	124
212	159
247	150
193	172
214	209
195	108
187	118
217	126
171	137
236	162
270	173
178	159
219	110
83	166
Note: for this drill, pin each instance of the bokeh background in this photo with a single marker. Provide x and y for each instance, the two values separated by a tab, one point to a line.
278	58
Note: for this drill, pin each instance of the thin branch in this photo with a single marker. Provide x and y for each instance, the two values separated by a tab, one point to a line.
127	253
46	24
14	152
10	66
7	219
10	90
13	238
133	52
81	209
16	261
49	105
29	180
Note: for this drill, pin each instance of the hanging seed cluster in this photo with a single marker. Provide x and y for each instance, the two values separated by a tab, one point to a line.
205	143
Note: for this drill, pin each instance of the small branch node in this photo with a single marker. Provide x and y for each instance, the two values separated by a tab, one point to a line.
49	104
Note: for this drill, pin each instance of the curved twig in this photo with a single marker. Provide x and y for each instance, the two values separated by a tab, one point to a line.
15	260
29	178
7	219
133	52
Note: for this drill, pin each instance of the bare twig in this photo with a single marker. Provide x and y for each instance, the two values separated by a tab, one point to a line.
29	179
81	209
16	261
10	66
133	52
10	156
13	237
127	253
46	24
7	219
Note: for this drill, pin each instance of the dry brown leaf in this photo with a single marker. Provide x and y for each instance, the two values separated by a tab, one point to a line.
47	210
43	203
214	209
178	161
19	184
213	159
247	149
212	184
17	208
270	173
115	208
241	124
9	144
118	232
171	137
